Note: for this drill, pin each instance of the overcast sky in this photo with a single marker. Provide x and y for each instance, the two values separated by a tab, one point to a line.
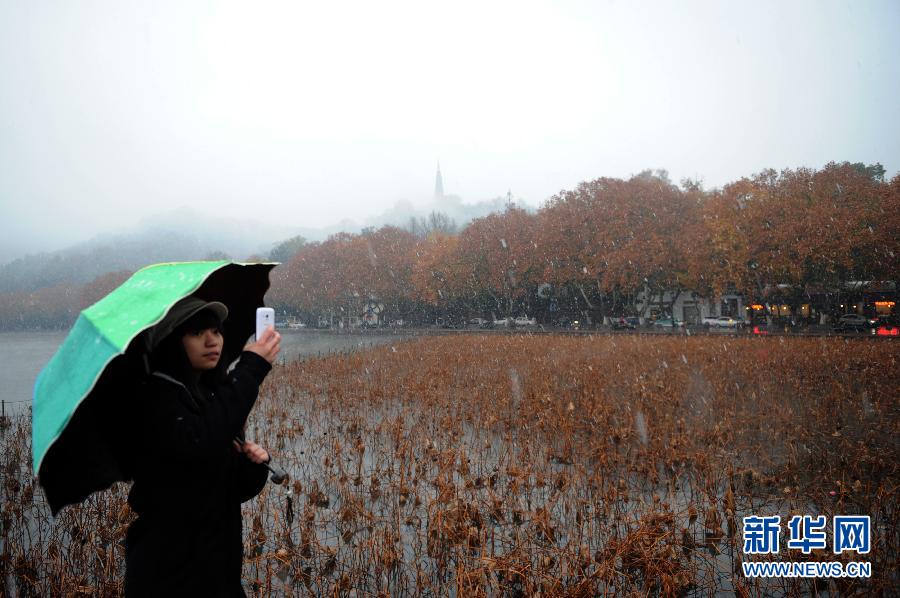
310	112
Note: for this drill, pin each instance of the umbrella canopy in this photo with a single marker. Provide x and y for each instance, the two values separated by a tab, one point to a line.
81	398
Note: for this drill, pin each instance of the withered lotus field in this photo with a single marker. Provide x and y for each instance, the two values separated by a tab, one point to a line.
525	465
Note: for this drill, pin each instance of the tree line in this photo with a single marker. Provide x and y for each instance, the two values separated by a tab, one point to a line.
593	248
55	306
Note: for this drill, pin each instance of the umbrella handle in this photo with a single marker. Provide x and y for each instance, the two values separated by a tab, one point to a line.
279	476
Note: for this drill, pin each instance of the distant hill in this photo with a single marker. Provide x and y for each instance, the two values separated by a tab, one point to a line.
180	235
183	234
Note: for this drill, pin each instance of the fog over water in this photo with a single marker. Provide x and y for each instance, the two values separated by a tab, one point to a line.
304	116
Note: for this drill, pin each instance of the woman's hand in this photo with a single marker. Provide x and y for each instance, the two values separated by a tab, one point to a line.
267	346
254	452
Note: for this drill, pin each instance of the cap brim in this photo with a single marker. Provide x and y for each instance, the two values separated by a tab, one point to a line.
178	315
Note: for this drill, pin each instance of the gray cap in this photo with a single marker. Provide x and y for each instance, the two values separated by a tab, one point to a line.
180	312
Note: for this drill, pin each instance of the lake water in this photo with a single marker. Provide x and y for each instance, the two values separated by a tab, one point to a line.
24	354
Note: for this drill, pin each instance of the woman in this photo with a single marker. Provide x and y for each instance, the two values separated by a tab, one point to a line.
190	477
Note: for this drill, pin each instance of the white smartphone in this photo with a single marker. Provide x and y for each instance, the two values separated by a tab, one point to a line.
265	317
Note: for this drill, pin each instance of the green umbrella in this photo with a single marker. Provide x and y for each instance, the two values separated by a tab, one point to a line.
81	398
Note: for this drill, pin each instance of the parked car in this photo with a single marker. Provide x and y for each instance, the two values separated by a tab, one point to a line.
568	324
853	322
503	322
668	323
722	322
710	321
525	321
886	327
887	330
623	323
477	322
760	329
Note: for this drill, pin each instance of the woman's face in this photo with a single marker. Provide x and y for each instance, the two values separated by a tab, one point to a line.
203	348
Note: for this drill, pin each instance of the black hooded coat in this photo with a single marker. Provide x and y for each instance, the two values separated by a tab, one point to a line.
189	483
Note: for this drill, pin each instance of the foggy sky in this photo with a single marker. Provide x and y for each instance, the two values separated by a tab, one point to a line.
308	113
